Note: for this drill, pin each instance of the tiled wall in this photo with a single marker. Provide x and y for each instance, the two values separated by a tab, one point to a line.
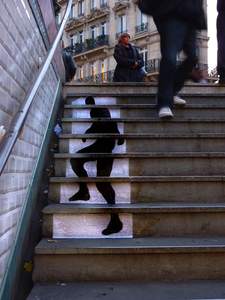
21	53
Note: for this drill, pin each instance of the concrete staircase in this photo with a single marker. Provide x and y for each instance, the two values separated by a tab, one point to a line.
169	180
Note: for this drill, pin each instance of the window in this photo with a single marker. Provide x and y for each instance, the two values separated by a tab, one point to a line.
71	16
103	3
93	4
81	37
122	24
81	8
72	40
93	32
93	68
144	53
81	73
103	28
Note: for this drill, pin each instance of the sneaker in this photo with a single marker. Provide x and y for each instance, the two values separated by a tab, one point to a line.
165	113
178	101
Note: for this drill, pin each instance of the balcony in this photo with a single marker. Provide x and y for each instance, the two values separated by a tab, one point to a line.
98	78
141	28
119	5
74	23
97	13
89	45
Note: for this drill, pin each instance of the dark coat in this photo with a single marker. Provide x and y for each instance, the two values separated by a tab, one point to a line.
221	6
192	11
126	58
189	10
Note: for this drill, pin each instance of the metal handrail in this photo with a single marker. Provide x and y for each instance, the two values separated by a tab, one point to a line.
22	114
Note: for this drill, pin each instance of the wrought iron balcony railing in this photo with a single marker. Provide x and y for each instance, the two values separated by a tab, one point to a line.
141	28
151	66
89	44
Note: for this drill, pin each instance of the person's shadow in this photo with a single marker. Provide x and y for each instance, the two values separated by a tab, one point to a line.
104	165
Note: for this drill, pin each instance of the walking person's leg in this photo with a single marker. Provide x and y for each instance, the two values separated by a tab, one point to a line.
221	40
172	34
184	69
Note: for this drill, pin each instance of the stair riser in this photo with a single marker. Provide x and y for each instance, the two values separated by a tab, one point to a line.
135	225
137	89
84	226
185	113
63	168
213	100
144	127
143	267
150	167
62	192
152	145
206	192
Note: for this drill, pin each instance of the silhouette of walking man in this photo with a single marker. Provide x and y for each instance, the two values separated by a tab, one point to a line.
104	165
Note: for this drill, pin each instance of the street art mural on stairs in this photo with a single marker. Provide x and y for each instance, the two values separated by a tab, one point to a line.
102	167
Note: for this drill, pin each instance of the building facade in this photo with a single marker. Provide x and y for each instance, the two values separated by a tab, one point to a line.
93	30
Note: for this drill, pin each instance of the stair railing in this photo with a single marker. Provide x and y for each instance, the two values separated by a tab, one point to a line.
20	118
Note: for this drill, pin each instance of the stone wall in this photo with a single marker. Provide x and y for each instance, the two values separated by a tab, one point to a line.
21	53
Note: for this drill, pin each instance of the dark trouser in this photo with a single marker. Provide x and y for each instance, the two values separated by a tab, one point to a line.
221	38
104	168
176	35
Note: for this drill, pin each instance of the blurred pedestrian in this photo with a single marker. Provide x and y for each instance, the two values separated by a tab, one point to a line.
221	40
177	22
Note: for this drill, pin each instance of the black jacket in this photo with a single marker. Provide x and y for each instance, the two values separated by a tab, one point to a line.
192	11
126	58
189	10
221	6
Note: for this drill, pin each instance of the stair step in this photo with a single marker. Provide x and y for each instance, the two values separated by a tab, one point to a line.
146	164
184	112
139	220
208	189
129	259
148	142
148	89
146	125
131	246
134	208
130	290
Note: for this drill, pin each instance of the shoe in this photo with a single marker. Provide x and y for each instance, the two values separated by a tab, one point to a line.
80	196
221	82
114	226
165	113
178	101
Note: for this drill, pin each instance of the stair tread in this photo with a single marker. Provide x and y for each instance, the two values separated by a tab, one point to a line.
132	245
212	178
208	289
144	135
144	155
141	106
144	120
175	207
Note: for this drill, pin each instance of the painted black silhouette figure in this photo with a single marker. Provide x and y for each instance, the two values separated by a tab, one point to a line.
104	165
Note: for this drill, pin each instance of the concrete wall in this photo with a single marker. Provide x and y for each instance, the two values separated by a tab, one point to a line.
21	53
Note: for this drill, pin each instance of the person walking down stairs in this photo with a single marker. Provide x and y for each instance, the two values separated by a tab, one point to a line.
177	22
221	40
104	165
